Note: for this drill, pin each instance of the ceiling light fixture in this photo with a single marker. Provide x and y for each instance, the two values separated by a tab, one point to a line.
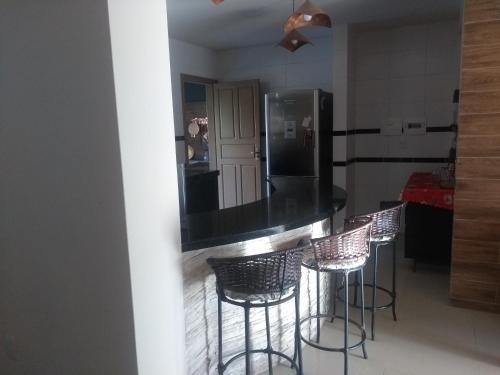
217	2
307	15
293	40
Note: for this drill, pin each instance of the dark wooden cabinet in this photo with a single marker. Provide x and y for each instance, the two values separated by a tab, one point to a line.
428	234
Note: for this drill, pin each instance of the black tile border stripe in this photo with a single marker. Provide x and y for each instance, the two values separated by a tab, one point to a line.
343	133
430	129
388	160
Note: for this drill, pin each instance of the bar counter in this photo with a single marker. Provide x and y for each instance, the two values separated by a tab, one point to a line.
298	208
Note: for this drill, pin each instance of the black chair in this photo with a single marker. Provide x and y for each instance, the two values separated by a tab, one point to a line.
385	230
259	281
341	253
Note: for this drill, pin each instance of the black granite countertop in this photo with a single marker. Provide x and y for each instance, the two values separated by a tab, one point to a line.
295	202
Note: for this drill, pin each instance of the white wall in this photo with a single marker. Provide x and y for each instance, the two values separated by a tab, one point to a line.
277	68
89	274
139	37
186	58
65	298
402	72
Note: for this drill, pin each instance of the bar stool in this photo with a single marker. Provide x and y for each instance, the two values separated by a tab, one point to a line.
341	253
259	281
385	230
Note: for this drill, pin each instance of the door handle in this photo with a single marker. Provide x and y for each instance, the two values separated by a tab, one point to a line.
256	155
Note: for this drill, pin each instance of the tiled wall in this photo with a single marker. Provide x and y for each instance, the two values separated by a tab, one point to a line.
277	68
475	278
404	72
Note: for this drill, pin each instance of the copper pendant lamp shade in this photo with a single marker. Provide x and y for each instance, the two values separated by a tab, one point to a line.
307	15
217	2
293	41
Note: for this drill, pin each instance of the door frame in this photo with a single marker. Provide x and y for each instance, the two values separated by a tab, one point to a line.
209	83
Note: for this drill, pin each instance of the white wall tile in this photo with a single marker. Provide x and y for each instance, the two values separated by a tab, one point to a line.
439	113
443	60
408	38
374	41
339	149
440	87
371	145
407	109
371	92
408	63
372	67
339	176
443	34
407	89
371	116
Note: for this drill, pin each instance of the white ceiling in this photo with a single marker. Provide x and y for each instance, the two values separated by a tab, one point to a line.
238	23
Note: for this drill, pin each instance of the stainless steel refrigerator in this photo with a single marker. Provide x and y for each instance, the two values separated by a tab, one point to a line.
299	140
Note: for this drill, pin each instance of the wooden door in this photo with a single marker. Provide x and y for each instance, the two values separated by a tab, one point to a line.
237	142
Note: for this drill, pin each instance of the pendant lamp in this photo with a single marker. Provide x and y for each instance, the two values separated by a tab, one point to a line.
293	40
308	14
217	2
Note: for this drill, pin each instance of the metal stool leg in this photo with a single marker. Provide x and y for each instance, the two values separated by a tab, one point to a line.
220	366
334	297
374	291
297	330
361	272
394	280
269	347
356	285
346	324
318	307
247	340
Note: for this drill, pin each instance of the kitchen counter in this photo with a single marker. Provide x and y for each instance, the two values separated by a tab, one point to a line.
298	209
293	203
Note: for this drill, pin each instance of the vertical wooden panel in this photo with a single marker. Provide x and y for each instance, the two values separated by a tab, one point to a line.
481	124
484	79
480	146
226	110
248	184
229	185
478	168
479	102
481	10
482	33
475	276
481	57
467	188
246	102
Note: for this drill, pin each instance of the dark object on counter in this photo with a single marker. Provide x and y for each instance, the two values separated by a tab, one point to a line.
201	192
428	234
257	281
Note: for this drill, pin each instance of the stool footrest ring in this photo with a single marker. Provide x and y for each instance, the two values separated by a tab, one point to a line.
332	349
368	307
255	351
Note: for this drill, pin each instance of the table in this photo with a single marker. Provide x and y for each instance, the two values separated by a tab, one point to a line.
428	220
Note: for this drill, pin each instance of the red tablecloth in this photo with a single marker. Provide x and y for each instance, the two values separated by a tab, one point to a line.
423	188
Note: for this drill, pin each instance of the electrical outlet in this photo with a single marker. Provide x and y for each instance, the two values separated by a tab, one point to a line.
10	347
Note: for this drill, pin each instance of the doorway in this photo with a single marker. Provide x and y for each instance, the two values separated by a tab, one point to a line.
198	122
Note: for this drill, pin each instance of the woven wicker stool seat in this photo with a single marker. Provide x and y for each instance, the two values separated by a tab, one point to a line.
259	281
385	230
341	253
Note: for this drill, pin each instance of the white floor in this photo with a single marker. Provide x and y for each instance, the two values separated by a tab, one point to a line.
431	337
